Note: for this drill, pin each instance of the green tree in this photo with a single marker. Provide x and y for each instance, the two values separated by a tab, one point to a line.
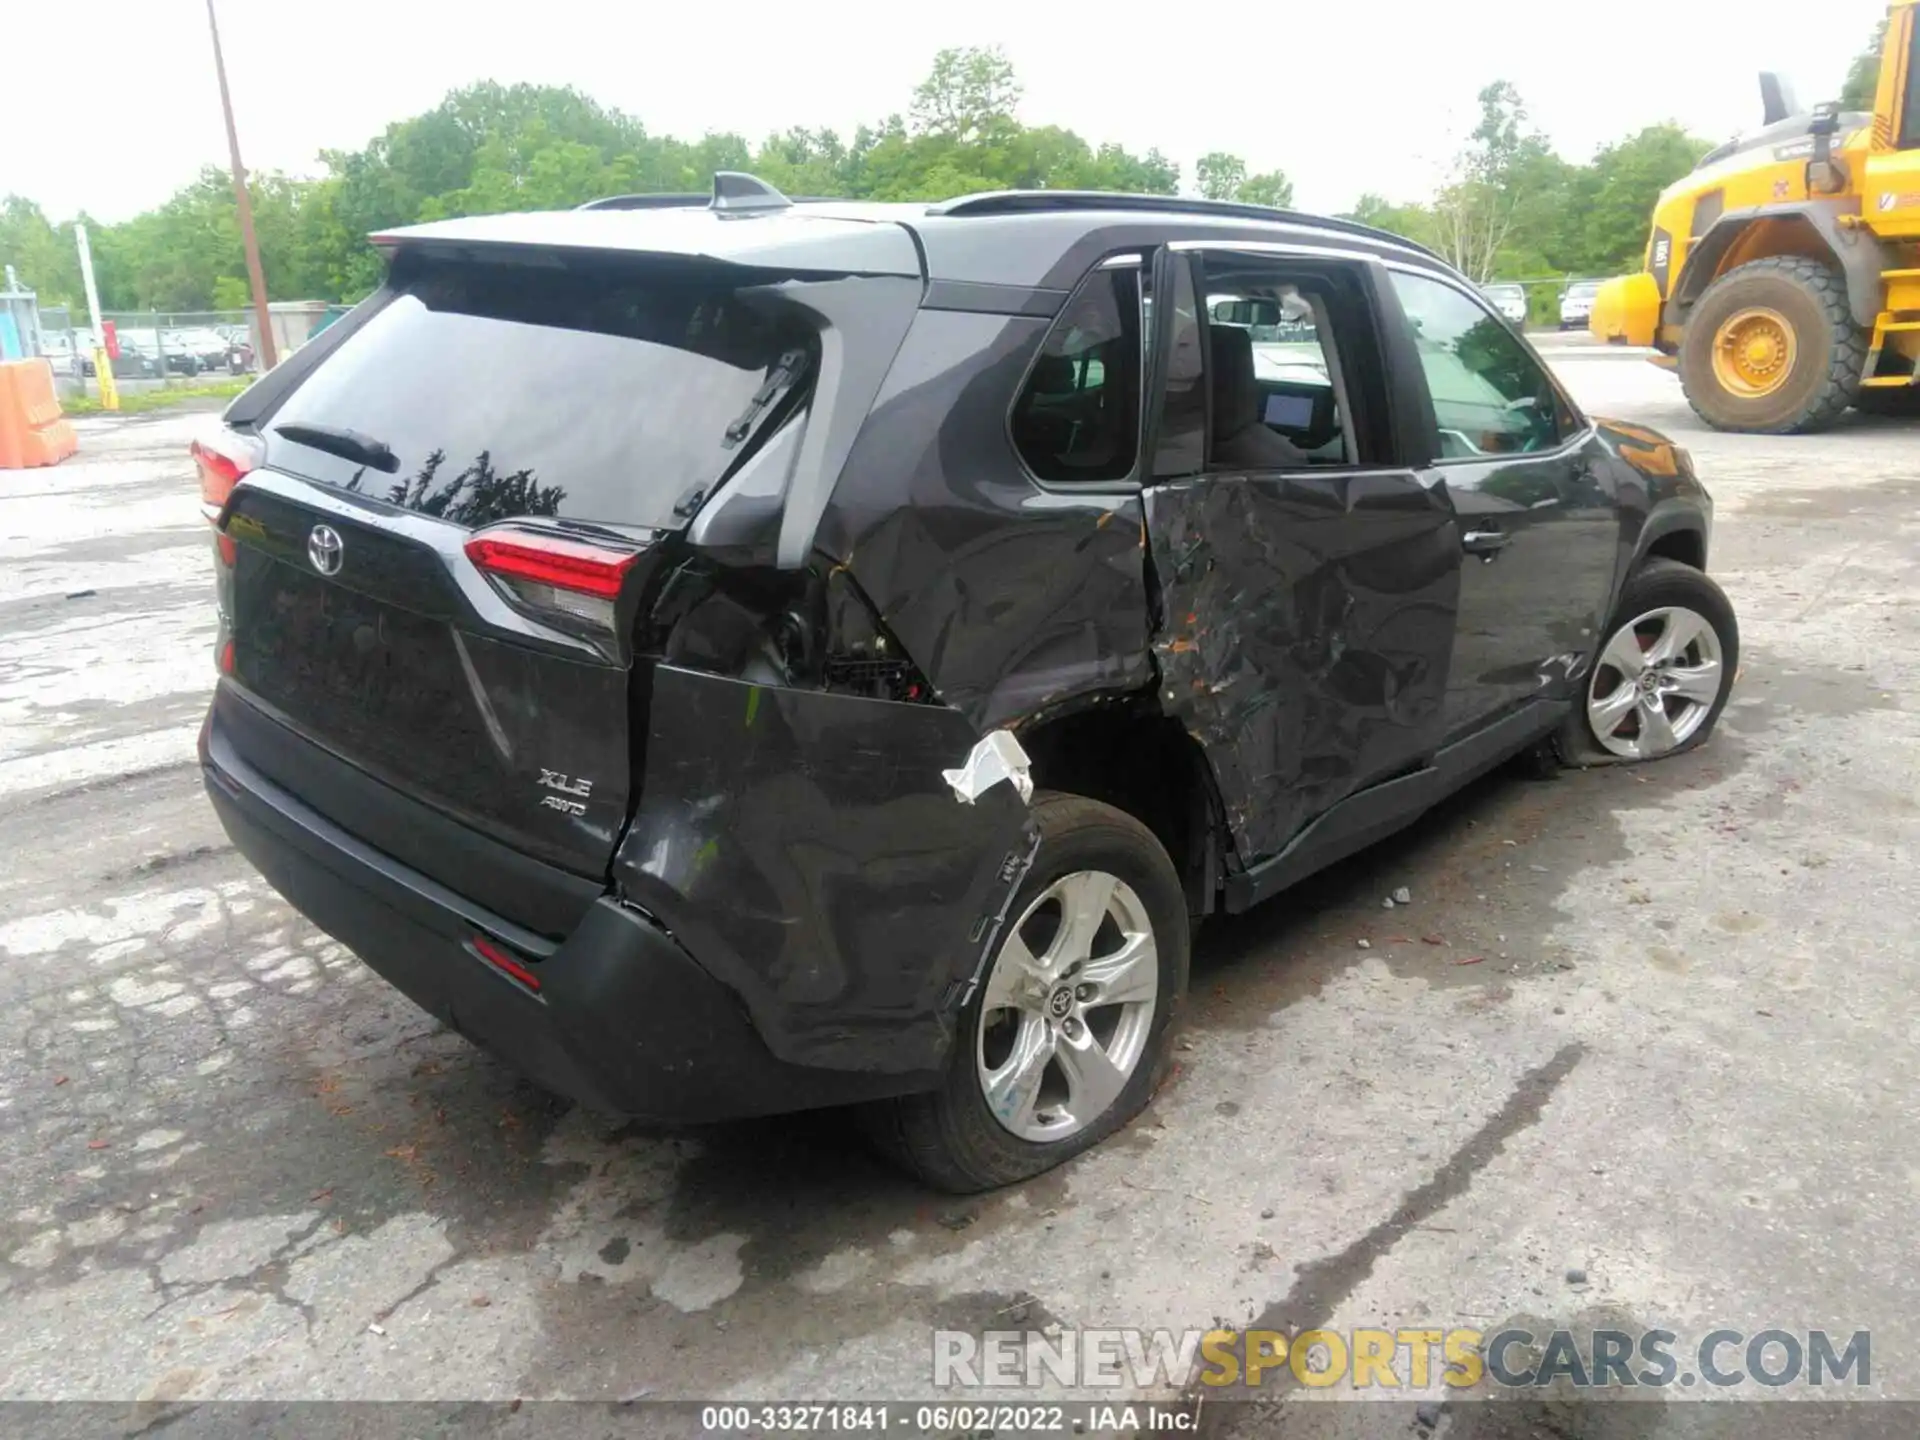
42	254
1270	187
1863	75
1413	222
969	93
1224	177
1511	208
1618	194
1220	175
1498	179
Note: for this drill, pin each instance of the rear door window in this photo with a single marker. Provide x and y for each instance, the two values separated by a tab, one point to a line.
593	392
1078	416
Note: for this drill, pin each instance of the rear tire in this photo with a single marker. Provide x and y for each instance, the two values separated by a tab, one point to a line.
1791	395
952	1138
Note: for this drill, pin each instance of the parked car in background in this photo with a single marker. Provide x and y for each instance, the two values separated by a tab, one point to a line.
132	363
209	348
721	698
57	348
1509	299
1576	304
160	349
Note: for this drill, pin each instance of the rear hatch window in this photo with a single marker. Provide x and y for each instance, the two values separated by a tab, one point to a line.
479	392
579	390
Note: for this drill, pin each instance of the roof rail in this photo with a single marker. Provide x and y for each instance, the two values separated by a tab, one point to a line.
642	202
1031	202
734	193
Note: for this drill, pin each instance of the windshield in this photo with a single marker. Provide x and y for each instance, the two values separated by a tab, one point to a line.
592	393
1585	290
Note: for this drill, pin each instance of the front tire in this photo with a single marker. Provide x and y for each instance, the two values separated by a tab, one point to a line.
1068	1034
1771	349
1661	678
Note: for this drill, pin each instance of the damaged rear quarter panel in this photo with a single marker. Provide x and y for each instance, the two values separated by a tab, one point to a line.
1308	623
1012	598
805	849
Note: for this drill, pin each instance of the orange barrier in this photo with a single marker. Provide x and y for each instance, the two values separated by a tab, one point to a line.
31	430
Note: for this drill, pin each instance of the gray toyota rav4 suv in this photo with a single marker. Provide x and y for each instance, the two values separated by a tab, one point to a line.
729	654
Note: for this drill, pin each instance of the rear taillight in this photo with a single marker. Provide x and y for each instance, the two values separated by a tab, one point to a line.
222	459
556	575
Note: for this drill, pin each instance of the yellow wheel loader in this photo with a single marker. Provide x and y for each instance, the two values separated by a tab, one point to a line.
1782	277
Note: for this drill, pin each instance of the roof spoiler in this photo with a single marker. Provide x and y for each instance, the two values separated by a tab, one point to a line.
734	193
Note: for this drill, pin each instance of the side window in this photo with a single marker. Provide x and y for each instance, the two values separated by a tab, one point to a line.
1272	362
1490	396
1078	416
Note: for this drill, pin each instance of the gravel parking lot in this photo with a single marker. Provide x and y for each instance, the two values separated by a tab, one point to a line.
1653	1027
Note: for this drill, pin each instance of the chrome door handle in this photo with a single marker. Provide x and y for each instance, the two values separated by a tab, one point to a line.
1484	542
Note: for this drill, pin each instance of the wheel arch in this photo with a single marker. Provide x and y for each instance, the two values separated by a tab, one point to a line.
1807	229
1124	752
1676	530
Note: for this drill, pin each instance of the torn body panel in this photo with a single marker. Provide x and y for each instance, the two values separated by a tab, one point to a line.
1013	598
1308	622
804	846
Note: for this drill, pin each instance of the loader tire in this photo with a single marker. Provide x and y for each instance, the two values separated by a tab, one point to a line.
1738	377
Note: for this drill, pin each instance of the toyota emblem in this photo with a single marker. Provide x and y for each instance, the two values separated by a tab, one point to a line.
324	549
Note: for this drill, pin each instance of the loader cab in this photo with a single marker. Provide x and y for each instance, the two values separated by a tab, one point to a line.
1890	198
1909	85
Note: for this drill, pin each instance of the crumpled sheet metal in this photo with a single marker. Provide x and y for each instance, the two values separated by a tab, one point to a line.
1307	626
805	850
1012	599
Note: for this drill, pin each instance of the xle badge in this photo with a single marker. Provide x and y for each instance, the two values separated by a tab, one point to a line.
578	790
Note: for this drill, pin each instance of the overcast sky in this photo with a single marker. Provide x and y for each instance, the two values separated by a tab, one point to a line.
1345	97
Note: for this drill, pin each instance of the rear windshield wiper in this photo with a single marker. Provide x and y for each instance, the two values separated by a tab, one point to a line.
785	371
347	444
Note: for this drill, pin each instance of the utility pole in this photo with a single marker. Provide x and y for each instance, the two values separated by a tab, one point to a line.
255	277
102	361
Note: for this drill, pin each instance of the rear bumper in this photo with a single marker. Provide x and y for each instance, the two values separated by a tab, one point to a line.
624	1020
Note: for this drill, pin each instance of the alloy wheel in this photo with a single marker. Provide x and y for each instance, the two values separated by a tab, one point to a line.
1068	1008
1655	683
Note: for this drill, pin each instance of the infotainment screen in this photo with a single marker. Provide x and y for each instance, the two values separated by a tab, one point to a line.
1289	412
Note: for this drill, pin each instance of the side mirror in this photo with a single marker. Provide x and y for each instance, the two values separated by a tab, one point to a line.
1825	175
